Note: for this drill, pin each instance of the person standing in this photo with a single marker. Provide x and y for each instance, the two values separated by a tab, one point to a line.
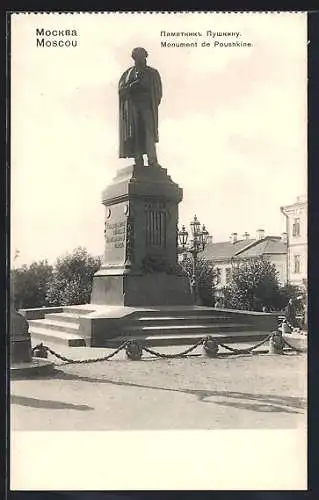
290	313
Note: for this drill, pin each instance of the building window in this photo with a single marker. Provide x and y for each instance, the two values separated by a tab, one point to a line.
228	274
296	264
218	275
296	227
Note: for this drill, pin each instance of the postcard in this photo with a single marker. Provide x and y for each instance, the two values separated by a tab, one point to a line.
158	334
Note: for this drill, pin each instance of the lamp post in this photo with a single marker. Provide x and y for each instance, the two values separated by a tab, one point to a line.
196	245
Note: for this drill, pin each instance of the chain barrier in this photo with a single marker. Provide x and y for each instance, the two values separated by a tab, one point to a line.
134	350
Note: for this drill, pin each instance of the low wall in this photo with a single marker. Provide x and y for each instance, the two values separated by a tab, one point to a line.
39	312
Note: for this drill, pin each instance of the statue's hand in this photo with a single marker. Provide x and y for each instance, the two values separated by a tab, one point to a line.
123	90
134	83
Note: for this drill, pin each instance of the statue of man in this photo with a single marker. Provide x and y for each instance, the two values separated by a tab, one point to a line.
140	93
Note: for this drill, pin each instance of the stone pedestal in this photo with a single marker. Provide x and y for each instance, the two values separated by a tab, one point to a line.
140	257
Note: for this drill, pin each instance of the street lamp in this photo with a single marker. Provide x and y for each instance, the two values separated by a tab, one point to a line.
197	244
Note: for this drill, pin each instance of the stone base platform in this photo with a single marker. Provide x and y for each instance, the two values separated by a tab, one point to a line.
107	326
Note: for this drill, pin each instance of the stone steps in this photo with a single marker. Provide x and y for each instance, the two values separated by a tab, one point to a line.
180	313
179	320
58	332
172	329
156	326
67	333
72	340
48	336
189	339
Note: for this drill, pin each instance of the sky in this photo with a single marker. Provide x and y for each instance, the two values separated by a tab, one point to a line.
232	123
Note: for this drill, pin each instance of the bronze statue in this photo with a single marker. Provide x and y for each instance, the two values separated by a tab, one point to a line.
140	93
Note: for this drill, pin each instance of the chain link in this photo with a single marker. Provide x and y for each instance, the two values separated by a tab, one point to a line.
249	349
288	324
178	354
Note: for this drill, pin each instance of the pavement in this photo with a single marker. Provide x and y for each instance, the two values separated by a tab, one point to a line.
245	391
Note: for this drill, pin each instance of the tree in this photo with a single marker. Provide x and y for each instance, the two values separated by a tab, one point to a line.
30	284
71	282
205	277
254	284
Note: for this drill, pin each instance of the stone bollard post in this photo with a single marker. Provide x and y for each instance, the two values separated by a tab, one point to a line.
210	347
40	352
134	350
276	343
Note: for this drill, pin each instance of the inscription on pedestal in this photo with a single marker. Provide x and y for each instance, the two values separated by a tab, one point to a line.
115	236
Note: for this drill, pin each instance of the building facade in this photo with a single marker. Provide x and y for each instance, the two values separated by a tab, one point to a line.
227	254
297	241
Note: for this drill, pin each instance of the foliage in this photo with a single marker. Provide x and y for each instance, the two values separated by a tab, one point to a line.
71	282
297	294
205	277
30	284
254	285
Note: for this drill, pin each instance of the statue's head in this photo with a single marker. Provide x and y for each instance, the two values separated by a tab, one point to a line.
139	54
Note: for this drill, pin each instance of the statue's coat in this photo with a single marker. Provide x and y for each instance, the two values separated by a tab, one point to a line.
128	138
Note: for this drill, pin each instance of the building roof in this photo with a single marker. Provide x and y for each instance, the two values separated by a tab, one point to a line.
224	250
242	249
268	246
